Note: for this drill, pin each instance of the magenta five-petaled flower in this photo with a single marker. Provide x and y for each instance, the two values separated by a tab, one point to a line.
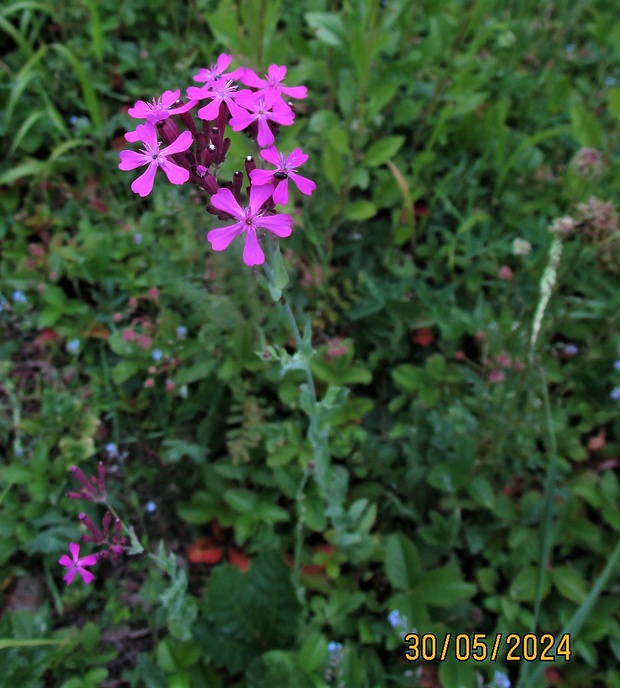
218	71
248	220
262	112
282	173
77	565
273	83
158	110
220	91
155	158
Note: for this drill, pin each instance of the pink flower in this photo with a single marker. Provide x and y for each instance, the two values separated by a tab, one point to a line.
496	376
262	112
76	565
154	158
282	173
504	273
273	83
217	71
503	359
220	91
160	109
128	335
144	341
249	220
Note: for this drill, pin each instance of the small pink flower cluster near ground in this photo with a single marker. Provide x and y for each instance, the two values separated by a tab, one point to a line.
195	153
92	489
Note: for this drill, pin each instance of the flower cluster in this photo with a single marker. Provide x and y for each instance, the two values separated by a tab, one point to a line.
598	222
93	489
195	154
587	162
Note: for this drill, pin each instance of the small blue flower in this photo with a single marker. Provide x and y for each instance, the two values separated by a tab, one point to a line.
112	450
615	393
395	619
570	48
571	349
500	680
150	507
157	354
617	365
73	346
181	332
334	648
137	239
610	81
19	296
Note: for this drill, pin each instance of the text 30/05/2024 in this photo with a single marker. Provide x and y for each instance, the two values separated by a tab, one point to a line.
530	647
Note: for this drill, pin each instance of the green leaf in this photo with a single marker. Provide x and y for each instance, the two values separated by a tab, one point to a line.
402	561
569	583
124	370
330	28
360	210
241	501
443	587
453	673
585	127
482	492
382	150
313	653
279	269
613	102
523	586
248	613
408	377
202	507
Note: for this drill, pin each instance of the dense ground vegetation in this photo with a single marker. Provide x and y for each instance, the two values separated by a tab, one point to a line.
458	268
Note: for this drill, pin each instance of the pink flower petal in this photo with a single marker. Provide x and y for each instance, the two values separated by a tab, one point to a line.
180	144
169	98
240	123
235	109
132	136
271	155
280	225
295	91
130	160
283	115
258	195
276	73
69	577
143	185
87	576
140	110
250	78
148	134
74	548
89	560
296	158
265	135
65	560
221	237
260	177
306	186
209	112
175	174
280	194
224	200
252	252
222	62
197	92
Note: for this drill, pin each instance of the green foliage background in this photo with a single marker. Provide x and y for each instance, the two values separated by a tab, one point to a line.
439	131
